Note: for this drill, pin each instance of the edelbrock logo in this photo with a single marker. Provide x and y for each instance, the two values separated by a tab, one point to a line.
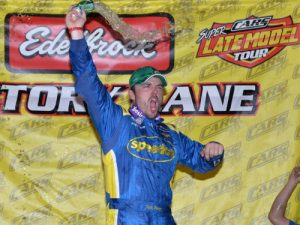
248	42
39	43
142	148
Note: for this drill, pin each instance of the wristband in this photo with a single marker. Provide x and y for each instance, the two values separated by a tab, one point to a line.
74	28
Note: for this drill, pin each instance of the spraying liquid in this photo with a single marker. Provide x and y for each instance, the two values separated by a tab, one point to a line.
117	24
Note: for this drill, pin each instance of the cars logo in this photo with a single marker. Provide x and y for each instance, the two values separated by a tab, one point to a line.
248	42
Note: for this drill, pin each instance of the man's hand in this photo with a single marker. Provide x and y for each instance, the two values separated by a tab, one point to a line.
75	18
294	177
212	149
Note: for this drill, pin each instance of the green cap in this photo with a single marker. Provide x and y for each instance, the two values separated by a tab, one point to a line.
143	74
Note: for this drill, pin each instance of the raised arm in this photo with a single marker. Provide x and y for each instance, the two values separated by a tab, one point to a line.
98	100
276	214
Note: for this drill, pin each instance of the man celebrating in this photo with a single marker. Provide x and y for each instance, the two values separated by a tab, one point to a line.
140	152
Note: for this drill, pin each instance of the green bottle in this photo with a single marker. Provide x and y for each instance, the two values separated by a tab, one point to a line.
86	5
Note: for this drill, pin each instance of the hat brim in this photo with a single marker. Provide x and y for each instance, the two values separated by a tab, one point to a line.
160	76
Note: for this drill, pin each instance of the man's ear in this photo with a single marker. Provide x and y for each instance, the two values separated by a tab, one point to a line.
131	95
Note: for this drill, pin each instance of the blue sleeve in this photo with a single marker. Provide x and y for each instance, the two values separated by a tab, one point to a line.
105	114
190	156
292	223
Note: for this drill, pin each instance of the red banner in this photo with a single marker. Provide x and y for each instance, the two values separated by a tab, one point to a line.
40	43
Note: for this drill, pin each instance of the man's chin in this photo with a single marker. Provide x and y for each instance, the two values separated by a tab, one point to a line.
152	115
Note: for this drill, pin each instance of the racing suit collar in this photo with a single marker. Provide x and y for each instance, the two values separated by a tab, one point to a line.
139	116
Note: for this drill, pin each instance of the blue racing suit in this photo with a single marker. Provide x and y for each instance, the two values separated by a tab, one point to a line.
292	223
139	155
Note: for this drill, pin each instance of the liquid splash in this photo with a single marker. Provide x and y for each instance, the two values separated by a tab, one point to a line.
127	31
